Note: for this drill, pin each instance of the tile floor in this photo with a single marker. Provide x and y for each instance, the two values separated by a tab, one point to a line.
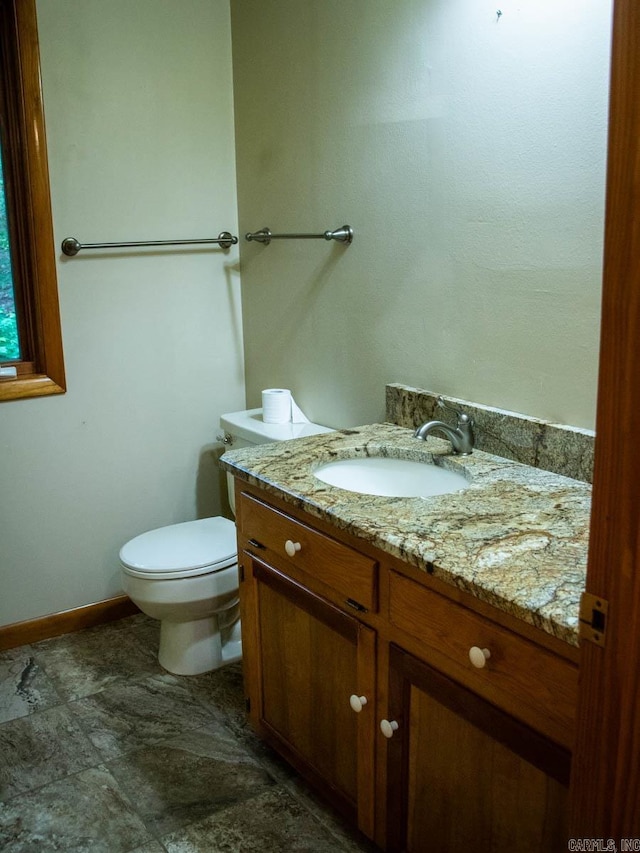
102	751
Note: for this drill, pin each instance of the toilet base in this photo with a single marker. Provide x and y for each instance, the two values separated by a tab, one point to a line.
231	652
232	640
191	648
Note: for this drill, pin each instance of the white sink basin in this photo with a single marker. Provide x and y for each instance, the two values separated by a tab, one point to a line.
382	475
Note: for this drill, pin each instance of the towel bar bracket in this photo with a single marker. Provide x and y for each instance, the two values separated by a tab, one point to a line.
265	236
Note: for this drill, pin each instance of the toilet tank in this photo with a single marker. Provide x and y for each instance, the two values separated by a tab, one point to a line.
246	429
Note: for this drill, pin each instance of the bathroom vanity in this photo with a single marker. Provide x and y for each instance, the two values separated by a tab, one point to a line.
416	659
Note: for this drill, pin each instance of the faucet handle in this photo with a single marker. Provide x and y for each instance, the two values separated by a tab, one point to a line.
463	417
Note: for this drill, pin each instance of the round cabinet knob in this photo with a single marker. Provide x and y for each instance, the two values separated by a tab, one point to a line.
357	703
479	657
388	728
292	547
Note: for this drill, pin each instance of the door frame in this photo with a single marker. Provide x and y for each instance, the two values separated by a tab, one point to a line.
605	788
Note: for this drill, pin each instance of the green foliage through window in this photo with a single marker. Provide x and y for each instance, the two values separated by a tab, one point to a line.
9	342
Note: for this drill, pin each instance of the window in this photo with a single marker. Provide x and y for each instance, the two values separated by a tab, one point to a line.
9	340
30	334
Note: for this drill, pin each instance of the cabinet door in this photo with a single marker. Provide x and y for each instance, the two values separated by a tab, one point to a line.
464	775
307	659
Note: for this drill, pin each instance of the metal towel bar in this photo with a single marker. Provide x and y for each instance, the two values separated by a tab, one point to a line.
264	236
70	246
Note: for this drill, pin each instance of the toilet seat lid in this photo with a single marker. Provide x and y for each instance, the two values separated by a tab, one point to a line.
207	542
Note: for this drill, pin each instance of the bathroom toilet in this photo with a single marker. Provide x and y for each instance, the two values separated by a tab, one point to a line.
186	575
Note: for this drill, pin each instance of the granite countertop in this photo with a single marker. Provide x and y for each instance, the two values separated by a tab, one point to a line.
516	537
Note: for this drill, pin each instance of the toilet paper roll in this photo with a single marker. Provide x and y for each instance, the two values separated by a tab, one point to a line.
279	407
276	406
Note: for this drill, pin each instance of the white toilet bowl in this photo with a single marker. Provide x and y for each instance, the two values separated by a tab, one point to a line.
186	575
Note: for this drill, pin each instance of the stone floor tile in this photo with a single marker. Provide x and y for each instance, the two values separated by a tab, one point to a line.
38	749
184	765
89	661
86	813
178	782
24	687
151	847
129	715
273	822
224	691
349	838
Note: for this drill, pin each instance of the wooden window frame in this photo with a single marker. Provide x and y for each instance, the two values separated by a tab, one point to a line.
40	371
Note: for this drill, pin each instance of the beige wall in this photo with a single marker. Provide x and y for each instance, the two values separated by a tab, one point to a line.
468	154
138	101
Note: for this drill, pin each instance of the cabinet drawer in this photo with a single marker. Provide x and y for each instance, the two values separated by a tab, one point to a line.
351	574
527	680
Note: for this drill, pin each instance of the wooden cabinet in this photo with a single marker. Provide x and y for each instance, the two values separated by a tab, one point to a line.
479	758
463	775
304	657
528	681
327	565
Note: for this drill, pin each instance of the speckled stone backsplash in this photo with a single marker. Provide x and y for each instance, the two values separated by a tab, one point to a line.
552	447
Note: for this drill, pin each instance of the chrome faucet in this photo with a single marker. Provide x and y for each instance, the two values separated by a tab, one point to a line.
461	437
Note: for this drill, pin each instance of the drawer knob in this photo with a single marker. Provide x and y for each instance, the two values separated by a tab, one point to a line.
478	656
357	702
292	547
388	728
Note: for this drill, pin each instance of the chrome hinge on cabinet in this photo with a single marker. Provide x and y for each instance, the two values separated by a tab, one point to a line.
593	618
